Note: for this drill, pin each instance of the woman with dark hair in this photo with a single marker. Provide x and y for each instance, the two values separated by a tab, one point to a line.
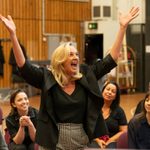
21	122
139	127
113	115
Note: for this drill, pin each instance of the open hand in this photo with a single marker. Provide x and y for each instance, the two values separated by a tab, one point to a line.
8	22
125	19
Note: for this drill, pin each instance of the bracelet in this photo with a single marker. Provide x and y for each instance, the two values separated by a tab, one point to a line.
104	138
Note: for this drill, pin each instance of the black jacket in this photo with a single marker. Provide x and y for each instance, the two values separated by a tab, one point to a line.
47	132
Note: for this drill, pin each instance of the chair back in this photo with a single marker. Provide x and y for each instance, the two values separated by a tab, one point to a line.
122	142
1	116
7	136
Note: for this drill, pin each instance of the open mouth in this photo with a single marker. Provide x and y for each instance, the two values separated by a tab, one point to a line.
74	65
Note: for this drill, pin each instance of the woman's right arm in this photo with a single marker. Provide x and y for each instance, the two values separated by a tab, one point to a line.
10	25
16	134
19	137
32	75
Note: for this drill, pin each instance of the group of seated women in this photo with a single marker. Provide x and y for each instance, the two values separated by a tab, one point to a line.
21	122
138	127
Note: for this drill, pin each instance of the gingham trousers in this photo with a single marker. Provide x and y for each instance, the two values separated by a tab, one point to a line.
71	137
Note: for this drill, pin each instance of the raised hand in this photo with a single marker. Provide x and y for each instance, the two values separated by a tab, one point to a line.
125	19
8	22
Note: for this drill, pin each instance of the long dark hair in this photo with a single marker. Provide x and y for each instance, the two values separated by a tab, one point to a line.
115	102
12	99
146	96
142	114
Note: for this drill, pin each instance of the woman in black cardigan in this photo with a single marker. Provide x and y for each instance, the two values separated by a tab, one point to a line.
70	97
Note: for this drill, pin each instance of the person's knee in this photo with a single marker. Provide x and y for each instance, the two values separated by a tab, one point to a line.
13	146
32	146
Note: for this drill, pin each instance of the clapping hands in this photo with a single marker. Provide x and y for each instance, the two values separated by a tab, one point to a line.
25	121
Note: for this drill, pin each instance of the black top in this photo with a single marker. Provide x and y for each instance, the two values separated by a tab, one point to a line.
42	78
115	119
70	108
138	133
12	124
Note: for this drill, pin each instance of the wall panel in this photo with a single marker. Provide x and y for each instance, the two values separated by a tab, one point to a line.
61	17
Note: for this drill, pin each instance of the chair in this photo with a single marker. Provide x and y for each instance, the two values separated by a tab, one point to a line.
7	136
1	116
36	146
1	120
122	142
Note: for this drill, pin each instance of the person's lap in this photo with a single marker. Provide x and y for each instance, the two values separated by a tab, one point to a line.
94	144
14	146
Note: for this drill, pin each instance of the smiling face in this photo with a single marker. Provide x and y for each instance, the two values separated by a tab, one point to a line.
71	65
147	104
21	103
109	92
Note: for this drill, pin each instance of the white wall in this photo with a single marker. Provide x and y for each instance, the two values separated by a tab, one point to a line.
126	5
109	30
109	26
120	5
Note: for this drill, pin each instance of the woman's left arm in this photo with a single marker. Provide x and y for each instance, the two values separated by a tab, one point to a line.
114	138
122	124
124	20
32	131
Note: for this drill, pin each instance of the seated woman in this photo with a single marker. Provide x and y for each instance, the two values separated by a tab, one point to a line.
21	122
113	114
139	127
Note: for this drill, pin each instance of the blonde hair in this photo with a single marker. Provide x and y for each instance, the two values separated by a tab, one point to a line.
59	56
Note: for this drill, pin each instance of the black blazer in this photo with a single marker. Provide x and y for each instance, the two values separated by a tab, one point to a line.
42	78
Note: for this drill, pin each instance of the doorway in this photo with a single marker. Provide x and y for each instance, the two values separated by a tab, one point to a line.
93	48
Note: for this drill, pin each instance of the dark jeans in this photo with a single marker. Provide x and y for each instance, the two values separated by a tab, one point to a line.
13	146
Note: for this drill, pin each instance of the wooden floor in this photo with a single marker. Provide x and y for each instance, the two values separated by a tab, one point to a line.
128	103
